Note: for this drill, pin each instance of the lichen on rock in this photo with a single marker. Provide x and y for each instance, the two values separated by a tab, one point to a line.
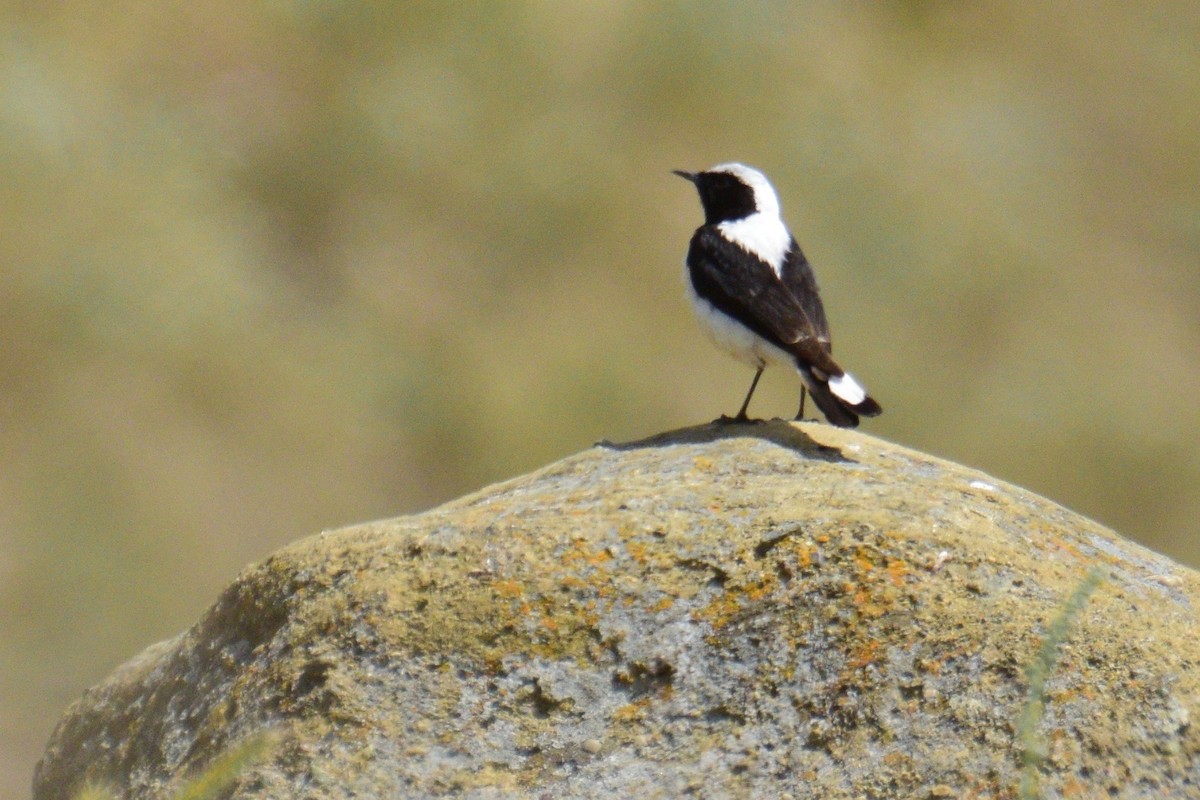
722	611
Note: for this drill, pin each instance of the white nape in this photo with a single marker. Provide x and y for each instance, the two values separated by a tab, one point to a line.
762	235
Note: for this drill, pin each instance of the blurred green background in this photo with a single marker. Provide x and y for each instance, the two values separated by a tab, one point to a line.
275	267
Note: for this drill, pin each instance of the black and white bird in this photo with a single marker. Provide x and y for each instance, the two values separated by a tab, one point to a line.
755	294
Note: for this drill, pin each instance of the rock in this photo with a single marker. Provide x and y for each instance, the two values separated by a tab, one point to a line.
723	611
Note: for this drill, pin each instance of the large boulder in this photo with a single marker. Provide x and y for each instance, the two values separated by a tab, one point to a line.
764	610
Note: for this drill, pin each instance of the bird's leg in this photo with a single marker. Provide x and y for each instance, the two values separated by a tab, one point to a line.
741	415
803	397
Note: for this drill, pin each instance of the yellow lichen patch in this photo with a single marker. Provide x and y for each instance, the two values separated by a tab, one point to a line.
761	589
508	588
598	557
866	605
581	550
897	570
489	776
631	712
663	604
725	607
719	611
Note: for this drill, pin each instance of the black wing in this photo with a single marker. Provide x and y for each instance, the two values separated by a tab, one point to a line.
799	278
745	288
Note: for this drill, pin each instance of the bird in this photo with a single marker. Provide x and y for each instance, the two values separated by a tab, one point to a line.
755	294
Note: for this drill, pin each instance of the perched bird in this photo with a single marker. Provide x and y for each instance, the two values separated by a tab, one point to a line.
755	294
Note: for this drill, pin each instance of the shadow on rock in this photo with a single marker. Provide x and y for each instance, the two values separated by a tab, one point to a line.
777	431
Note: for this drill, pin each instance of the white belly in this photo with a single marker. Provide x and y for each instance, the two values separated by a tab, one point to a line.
732	336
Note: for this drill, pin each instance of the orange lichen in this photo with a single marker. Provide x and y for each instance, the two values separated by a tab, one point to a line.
804	554
508	588
1073	787
1062	544
897	570
636	551
719	611
599	557
863	655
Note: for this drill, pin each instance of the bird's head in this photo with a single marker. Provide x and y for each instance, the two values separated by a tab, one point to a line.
733	191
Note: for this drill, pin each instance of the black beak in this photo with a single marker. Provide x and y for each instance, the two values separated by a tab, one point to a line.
687	176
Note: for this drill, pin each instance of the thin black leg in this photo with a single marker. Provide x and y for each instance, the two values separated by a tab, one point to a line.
741	415
803	397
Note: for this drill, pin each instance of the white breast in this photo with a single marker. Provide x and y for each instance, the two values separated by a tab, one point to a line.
732	336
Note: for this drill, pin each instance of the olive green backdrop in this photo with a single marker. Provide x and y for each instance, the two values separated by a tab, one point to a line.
268	268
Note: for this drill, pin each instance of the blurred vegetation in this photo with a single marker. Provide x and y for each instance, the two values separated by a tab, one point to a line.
281	266
214	779
1028	734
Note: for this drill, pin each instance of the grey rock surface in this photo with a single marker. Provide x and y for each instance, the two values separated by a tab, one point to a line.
775	610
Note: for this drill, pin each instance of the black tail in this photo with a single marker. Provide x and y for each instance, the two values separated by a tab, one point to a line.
836	410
